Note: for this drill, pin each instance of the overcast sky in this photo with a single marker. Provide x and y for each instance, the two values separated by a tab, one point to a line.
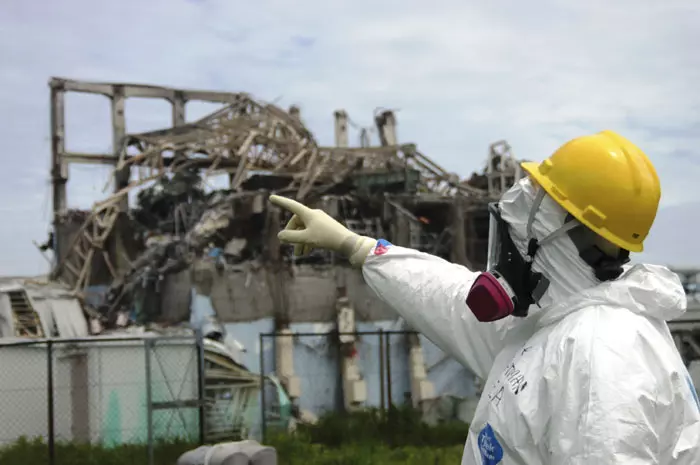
461	74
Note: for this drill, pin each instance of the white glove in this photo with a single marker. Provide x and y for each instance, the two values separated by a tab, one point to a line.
313	228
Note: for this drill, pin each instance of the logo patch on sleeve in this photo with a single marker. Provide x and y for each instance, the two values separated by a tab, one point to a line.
382	247
489	447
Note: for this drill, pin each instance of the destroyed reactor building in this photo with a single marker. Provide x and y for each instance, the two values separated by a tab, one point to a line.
138	264
150	254
142	262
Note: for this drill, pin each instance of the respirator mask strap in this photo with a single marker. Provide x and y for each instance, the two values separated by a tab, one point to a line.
561	231
533	211
565	228
540	282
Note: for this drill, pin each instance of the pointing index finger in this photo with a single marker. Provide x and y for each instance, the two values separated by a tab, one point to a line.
291	205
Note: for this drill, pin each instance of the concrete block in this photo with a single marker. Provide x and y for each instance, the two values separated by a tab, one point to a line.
230	453
356	391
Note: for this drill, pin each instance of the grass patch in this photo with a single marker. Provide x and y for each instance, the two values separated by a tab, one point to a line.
396	437
397	427
35	452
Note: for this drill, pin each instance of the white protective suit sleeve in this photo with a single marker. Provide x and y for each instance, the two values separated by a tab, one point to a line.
430	294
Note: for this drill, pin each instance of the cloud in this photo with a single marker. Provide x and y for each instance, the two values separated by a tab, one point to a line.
673	240
461	74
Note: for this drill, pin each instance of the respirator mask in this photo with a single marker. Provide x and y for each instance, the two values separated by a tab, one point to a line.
510	285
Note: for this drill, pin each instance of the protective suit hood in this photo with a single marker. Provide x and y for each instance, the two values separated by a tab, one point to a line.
652	291
649	290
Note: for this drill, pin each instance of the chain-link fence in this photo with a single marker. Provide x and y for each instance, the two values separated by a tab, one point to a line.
107	391
314	378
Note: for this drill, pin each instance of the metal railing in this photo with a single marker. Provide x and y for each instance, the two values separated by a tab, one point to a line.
317	358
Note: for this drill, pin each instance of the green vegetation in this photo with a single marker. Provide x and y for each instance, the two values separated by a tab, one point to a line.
368	437
35	452
399	427
294	452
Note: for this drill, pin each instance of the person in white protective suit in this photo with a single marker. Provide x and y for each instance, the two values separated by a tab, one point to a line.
572	340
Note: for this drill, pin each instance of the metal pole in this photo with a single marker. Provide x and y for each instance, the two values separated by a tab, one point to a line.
148	345
340	359
50	402
263	421
201	375
381	370
388	371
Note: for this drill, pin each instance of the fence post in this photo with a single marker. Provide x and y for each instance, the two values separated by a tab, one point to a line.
148	344
201	379
263	420
50	402
381	370
337	345
388	370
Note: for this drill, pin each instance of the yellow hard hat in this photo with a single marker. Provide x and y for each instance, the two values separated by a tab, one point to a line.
607	183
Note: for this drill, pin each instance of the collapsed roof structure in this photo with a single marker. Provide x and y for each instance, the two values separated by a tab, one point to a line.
391	190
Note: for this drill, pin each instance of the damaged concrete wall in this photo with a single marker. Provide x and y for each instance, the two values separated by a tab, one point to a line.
176	297
244	293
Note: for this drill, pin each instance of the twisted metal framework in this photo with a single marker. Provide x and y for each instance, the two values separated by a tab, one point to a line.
244	137
249	136
89	241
